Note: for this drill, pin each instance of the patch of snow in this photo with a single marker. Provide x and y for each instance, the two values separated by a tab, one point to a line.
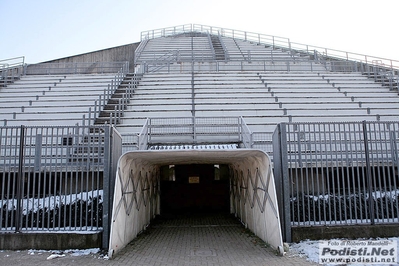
54	256
50	203
308	249
393	194
57	230
61	253
82	252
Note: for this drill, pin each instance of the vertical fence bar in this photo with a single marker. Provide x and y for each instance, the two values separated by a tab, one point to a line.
18	218
368	173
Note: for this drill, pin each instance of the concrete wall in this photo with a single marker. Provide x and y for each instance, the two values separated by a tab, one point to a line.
50	241
119	53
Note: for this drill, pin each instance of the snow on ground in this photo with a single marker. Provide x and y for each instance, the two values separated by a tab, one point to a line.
53	254
309	249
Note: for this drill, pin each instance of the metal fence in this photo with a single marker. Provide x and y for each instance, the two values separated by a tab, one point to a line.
56	178
337	173
263	141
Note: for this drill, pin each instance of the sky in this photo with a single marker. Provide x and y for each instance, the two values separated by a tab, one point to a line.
43	30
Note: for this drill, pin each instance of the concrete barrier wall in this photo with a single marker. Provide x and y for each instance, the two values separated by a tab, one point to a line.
136	196
115	54
50	241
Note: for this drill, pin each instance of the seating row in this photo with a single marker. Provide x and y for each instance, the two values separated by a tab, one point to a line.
51	99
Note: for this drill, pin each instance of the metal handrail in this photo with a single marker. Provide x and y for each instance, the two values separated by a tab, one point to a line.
245	134
140	49
243	65
172	56
179	130
163	32
226	53
211	45
11	69
102	100
143	136
275	41
15	61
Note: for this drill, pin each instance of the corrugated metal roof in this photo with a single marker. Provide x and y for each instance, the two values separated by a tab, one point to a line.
196	147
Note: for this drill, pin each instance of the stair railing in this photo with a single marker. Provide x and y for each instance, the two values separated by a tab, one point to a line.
119	109
211	45
386	75
162	61
101	102
226	54
140	49
11	69
4	74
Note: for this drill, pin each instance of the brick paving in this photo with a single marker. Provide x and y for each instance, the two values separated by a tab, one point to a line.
179	240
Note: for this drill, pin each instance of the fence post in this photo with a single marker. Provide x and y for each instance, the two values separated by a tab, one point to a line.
149	132
194	129
368	173
20	179
280	160
107	189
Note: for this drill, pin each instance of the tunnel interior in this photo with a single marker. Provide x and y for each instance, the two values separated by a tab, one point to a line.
194	189
151	183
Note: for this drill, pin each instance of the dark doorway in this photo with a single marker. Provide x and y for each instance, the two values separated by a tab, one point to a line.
194	188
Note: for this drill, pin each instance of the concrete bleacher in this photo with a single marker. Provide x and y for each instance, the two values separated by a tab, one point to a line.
44	100
179	48
331	95
245	50
262	99
177	53
265	85
158	95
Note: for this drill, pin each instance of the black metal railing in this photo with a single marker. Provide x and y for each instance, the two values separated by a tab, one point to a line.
337	173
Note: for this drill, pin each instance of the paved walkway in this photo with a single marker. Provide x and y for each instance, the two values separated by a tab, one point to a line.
183	240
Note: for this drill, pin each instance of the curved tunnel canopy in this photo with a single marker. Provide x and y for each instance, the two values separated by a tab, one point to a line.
137	191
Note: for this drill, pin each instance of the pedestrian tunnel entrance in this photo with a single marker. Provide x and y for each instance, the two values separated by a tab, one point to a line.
194	188
150	183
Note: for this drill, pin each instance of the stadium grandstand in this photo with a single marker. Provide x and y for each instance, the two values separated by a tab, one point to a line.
296	141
